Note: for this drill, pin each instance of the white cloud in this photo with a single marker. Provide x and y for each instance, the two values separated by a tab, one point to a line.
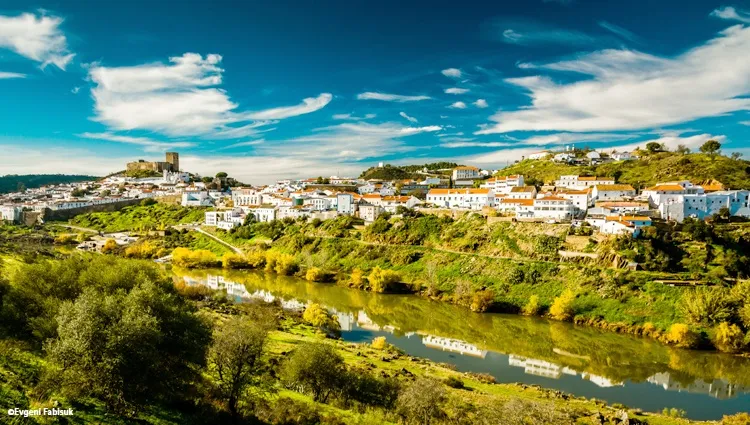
671	142
481	103
351	117
75	90
407	117
531	33
456	90
38	38
452	72
23	159
745	122
308	105
633	90
618	30
474	144
149	145
179	99
347	142
457	105
574	138
8	75
732	14
247	143
390	97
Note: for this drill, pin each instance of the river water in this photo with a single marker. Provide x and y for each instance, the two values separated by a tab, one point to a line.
637	372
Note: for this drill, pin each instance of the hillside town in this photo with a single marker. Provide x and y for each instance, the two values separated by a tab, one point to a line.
600	202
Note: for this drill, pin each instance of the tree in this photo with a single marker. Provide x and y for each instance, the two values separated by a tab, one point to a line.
109	246
682	150
318	316
207	180
420	403
77	193
314	368
383	280
729	338
235	357
20	187
128	349
736	155
711	147
221	175
653	147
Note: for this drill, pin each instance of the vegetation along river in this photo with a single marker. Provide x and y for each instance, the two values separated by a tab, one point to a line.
582	361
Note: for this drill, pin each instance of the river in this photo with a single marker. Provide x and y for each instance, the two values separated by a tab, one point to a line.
636	372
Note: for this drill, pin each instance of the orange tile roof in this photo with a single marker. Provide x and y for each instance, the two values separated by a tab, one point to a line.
466	167
527	202
622	204
551	198
518	189
628	218
667	187
592	178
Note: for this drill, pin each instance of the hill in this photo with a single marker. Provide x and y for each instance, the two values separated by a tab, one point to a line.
401	172
646	171
11	182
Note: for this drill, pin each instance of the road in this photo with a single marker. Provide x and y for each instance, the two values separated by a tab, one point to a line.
80	229
227	244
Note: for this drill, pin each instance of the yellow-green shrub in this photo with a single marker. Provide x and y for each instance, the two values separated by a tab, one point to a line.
143	250
65	239
482	301
532	307
359	280
318	316
184	257
109	246
562	307
383	280
379	343
729	338
680	335
231	260
315	274
736	419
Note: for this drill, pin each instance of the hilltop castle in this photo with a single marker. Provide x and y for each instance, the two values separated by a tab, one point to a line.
171	164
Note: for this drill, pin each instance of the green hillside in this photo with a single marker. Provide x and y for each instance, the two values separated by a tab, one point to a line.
646	171
401	172
12	182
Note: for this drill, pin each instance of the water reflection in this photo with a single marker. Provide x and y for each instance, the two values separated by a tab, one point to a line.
582	361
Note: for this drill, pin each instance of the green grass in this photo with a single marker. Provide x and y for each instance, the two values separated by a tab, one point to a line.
139	218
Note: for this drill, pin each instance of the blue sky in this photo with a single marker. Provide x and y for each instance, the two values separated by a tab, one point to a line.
265	90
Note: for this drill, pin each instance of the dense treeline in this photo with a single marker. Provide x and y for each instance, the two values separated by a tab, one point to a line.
13	182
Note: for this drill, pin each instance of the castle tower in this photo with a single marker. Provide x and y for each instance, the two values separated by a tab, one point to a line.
173	158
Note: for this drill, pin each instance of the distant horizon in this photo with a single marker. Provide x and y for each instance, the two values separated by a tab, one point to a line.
272	90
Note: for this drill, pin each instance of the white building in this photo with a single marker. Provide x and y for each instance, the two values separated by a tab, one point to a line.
554	208
522	192
579	183
503	184
593	155
563	157
701	206
246	197
581	199
263	214
523	208
453	346
664	193
369	213
612	192
195	198
345	204
227	220
465	173
621	156
10	213
617	225
474	199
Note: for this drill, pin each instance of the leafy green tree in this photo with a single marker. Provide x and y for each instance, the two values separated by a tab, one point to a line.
654	147
235	357
711	147
736	155
221	175
316	369
682	150
128	349
562	307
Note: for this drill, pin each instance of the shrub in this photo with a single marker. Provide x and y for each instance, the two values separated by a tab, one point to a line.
745	314
359	280
454	382
315	274
482	301
184	257
316	369
729	338
673	412
367	388
318	316
231	260
256	259
280	263
65	239
379	343
532	307
109	246
421	402
382	280
562	307
737	419
193	292
707	305
680	335
143	250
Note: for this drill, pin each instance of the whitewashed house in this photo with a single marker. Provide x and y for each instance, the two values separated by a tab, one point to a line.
369	213
522	192
612	192
263	214
522	208
196	198
553	208
621	156
227	220
581	199
701	206
538	155
474	199
563	157
246	197
10	213
615	225
465	173
579	183
345	204
503	184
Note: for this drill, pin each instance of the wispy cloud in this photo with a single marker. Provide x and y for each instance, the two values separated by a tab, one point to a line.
149	145
308	105
351	117
732	14
475	144
619	31
242	144
633	90
390	97
452	72
531	33
575	138
456	90
457	105
408	118
8	75
38	38
745	122
480	103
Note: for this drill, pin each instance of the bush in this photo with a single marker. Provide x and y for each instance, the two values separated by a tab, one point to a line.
421	402
562	307
729	338
231	260
184	257
315	274
707	305
379	343
680	335
65	239
382	280
316	369
737	419
318	316
454	382
280	263
532	307
482	301
143	250
359	280
368	389
109	246
745	314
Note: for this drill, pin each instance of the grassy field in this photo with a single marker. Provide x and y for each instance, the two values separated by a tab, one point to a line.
138	218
